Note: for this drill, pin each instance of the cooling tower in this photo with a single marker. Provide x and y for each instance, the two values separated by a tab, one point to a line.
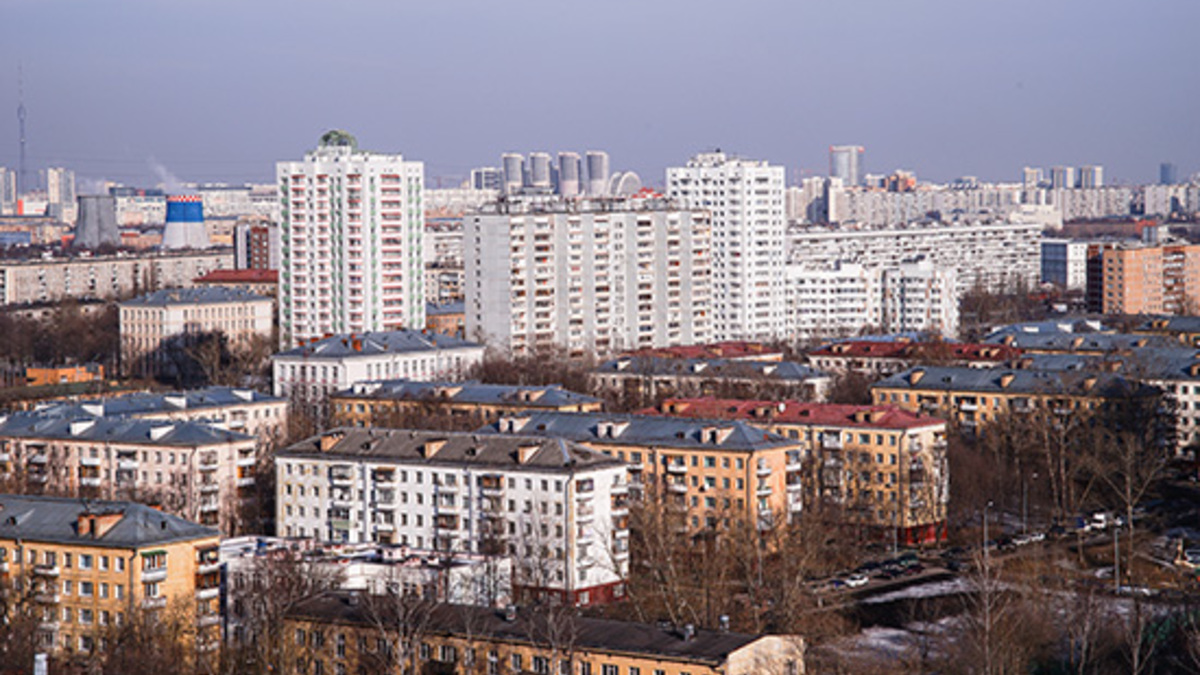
97	224
568	174
539	170
513	166
597	166
185	223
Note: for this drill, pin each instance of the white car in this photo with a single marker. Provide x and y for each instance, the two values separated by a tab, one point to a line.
857	580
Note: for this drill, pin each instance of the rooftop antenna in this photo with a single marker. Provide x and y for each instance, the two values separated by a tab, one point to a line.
21	178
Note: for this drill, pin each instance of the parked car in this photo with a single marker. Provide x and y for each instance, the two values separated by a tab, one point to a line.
857	580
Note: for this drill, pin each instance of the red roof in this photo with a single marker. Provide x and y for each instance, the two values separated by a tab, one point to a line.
246	276
795	412
863	348
733	349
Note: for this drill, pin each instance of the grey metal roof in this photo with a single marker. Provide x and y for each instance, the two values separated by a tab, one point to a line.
548	396
1077	342
709	368
377	343
641	430
141	403
36	425
1174	324
458	449
434	309
1037	382
200	295
55	520
708	646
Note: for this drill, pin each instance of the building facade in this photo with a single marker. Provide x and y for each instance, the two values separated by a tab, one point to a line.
104	277
712	473
378	403
337	632
351	242
152	324
193	470
1141	279
745	199
308	374
558	509
93	564
587	276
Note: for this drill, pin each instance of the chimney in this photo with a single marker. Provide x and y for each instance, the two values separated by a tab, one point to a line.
723	623
510	613
689	632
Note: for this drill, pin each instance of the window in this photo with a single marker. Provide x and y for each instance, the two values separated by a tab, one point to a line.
85	561
425	651
516	662
541	665
86	588
447	654
608	669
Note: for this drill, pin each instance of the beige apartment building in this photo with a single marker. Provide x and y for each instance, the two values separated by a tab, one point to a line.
1139	279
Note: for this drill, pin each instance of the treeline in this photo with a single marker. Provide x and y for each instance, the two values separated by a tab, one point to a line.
67	334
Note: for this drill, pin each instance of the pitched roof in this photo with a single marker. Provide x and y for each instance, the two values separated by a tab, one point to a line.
245	276
455	448
146	402
710	368
1011	381
377	343
117	430
796	412
203	295
548	396
730	349
640	430
55	520
594	634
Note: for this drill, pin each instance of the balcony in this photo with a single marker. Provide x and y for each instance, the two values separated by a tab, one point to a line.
384	478
385	527
127	465
763	491
208	593
345	478
208	488
342	498
208	464
38	459
677	467
48	626
246	462
763	470
795	487
585	515
154	603
46	598
207	620
208	568
678	488
245	482
340	523
89	461
91	481
967	406
210	507
39	478
793	464
154	574
831	442
46	570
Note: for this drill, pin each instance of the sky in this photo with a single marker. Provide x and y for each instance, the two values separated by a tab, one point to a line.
218	90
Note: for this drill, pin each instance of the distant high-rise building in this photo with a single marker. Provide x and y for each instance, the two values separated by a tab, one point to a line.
60	193
1167	174
597	169
351	239
1091	176
1062	177
487	178
845	162
1031	177
569	170
746	200
8	191
513	167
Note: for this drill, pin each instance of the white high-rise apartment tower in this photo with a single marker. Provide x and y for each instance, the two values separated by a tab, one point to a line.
746	201
352	255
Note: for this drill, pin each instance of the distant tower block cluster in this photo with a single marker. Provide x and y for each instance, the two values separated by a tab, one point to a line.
97	225
185	223
569	176
845	162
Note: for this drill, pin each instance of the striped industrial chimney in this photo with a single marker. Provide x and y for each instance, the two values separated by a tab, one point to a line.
185	223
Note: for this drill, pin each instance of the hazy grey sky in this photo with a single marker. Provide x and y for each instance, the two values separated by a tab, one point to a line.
220	90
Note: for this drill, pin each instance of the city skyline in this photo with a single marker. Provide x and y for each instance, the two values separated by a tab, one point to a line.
943	90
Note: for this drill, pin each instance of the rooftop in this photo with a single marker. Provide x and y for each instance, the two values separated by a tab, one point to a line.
731	350
590	633
433	309
375	344
39	425
450	448
711	368
247	276
796	412
1015	381
141	403
641	430
1080	342
56	520
548	396
194	296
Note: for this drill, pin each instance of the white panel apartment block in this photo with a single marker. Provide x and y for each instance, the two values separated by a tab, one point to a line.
596	277
746	199
558	508
351	239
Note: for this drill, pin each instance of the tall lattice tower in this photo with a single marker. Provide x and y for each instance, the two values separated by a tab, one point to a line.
22	183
